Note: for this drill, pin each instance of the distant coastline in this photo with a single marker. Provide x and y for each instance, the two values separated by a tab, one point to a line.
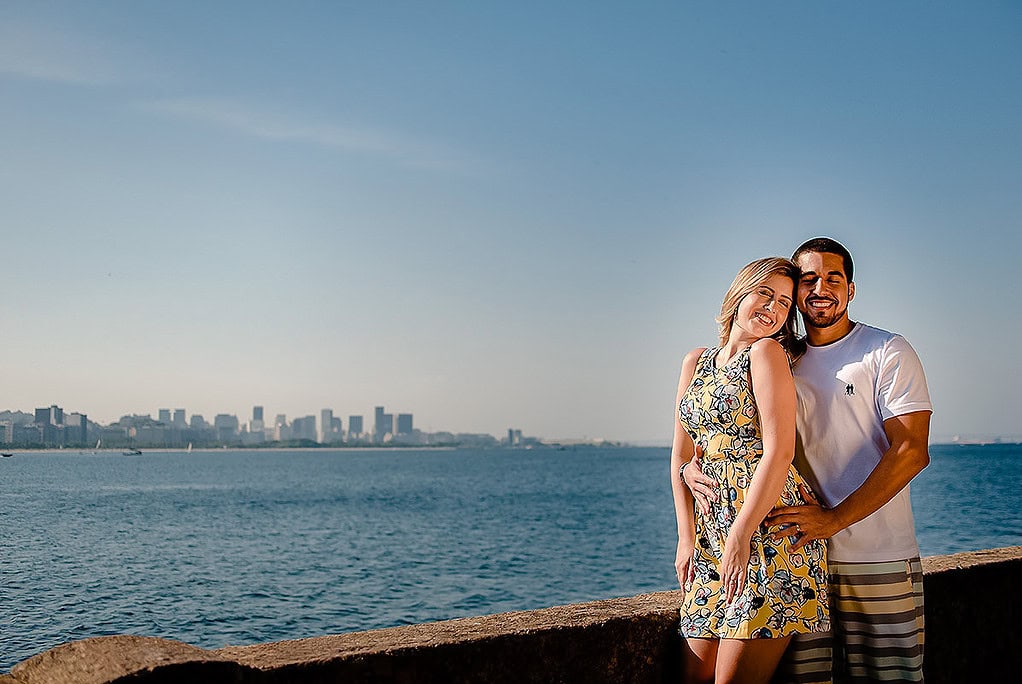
997	441
316	446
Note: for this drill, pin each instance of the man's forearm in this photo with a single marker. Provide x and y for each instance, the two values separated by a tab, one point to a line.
899	465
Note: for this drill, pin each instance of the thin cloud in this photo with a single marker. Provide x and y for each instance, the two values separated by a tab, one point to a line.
261	123
35	53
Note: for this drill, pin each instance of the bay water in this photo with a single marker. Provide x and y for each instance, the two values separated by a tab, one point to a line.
233	547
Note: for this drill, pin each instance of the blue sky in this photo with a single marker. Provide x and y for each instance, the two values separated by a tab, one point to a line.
491	215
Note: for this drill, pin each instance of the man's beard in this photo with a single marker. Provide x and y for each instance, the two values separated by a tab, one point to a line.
822	319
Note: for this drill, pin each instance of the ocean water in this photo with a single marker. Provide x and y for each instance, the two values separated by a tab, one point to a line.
240	547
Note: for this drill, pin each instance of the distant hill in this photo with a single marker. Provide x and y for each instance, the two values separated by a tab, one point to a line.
17	417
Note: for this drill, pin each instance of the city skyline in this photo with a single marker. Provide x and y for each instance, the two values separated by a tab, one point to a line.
53	426
523	213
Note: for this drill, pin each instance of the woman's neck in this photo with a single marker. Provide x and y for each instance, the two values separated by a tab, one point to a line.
735	345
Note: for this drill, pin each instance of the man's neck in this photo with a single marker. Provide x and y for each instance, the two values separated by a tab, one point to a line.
819	337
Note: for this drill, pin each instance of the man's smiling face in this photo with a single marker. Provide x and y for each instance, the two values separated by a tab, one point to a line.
823	289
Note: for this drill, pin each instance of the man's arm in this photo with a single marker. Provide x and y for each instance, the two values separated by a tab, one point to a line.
908	454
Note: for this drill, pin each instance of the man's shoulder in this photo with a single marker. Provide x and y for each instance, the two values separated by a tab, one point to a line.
872	336
867	330
887	350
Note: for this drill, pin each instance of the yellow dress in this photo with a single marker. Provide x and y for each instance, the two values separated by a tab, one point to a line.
786	591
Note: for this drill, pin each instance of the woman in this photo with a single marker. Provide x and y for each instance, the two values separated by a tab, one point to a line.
745	594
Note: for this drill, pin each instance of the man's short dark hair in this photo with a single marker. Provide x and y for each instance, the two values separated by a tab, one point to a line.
826	245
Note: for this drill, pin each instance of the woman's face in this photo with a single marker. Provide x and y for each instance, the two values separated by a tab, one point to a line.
762	312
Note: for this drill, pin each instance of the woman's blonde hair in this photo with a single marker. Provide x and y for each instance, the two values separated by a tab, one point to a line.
748	279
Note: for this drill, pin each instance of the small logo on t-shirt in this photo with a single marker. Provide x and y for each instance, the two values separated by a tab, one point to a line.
849	389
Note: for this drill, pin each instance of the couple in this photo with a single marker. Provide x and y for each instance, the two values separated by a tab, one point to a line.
758	503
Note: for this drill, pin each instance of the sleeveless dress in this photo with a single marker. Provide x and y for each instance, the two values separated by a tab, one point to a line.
786	591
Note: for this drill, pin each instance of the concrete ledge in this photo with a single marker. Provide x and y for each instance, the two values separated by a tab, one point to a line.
113	659
973	612
972	609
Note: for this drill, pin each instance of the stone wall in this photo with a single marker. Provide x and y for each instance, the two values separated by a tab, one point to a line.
972	609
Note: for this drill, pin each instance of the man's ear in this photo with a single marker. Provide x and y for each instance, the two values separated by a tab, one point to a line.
851	291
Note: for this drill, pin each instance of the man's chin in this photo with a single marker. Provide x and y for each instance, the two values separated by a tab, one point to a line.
821	322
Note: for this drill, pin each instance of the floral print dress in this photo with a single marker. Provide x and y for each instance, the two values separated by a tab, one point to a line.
785	591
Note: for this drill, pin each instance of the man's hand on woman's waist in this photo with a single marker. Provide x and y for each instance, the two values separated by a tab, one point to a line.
703	487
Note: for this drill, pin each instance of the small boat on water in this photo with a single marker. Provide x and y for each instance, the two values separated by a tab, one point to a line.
132	452
6	454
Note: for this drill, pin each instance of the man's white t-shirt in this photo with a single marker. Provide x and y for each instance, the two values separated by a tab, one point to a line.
846	390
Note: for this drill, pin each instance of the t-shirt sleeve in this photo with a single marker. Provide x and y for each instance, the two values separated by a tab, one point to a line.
901	387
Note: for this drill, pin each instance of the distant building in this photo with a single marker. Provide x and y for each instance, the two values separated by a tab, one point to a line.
226	427
54	415
27	435
404	424
251	437
326	420
384	425
355	428
331	428
257	424
164	416
76	429
198	422
304	428
179	418
50	422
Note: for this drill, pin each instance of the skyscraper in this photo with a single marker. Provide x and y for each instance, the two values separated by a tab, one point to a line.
384	425
226	427
326	420
404	424
164	416
304	428
257	424
355	427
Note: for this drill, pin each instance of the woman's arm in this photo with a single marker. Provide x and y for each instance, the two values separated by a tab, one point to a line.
681	452
774	394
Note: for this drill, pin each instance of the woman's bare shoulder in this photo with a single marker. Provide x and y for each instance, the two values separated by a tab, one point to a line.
768	352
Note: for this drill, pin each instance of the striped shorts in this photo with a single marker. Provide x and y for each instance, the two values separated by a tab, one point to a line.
877	617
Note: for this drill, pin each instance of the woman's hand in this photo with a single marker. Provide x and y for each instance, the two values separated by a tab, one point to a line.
684	563
734	565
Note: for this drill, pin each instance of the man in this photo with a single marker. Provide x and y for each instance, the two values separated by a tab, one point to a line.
863	425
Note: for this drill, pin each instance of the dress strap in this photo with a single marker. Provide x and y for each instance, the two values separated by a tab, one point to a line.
706	359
